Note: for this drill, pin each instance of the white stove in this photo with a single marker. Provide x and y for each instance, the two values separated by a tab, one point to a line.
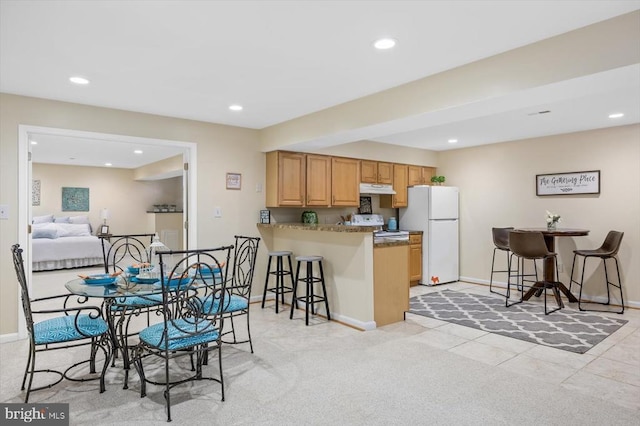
378	221
367	220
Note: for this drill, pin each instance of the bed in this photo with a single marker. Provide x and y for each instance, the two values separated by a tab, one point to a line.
62	243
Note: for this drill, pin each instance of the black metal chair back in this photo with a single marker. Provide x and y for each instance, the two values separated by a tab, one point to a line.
18	264
132	248
244	262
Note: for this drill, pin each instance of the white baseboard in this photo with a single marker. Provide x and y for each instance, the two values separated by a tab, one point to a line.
6	338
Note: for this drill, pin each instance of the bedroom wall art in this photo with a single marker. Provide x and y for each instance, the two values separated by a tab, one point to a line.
35	192
75	199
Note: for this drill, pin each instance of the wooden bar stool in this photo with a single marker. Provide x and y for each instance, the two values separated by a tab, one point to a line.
280	289
310	298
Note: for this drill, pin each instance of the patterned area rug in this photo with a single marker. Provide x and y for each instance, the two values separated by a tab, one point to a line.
566	329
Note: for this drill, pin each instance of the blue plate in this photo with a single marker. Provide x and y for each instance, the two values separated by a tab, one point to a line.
207	272
100	279
133	270
144	280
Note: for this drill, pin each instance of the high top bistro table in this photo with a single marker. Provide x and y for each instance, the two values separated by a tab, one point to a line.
549	264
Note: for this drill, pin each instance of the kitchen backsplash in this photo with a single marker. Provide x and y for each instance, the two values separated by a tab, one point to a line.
326	215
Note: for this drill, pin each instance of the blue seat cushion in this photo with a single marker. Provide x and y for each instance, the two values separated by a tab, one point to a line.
179	332
63	329
136	302
232	304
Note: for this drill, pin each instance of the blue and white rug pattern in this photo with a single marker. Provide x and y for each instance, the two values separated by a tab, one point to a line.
566	329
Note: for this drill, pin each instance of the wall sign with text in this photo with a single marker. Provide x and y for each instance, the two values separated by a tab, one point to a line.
571	183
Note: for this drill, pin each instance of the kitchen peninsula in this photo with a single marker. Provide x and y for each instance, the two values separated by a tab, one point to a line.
367	283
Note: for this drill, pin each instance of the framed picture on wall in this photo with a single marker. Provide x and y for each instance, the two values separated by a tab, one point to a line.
234	181
75	199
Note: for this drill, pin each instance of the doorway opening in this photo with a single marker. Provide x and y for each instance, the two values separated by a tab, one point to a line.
27	134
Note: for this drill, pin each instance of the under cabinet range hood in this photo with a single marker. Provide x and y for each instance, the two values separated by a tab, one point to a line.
375	188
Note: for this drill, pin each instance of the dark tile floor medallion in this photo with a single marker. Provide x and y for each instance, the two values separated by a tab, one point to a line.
565	329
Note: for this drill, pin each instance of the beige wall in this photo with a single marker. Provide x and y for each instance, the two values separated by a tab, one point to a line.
489	177
497	188
220	149
114	189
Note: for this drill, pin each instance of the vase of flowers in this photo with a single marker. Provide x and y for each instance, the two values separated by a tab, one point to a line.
552	220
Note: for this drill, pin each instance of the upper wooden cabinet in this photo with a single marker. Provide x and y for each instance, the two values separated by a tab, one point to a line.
376	172
400	176
318	180
345	182
285	184
419	175
298	180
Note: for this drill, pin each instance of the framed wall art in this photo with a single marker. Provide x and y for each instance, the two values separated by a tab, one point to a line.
35	192
570	183
234	181
75	199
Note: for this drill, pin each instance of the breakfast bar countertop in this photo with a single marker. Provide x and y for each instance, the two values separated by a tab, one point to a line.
320	227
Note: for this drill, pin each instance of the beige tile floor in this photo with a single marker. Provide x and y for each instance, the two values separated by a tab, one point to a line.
609	370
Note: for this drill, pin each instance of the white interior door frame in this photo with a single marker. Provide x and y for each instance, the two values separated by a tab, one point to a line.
26	132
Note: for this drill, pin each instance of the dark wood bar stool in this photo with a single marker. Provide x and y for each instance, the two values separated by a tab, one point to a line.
608	250
310	298
280	288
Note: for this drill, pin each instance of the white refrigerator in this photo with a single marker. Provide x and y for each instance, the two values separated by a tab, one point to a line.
434	211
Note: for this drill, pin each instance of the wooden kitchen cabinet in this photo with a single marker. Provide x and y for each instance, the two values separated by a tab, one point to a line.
285	183
400	199
376	172
415	258
390	284
420	175
345	182
318	172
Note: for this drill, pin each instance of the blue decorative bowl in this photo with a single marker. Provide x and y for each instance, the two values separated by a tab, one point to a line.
100	279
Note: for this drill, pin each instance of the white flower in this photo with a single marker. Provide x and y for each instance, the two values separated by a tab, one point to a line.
552	217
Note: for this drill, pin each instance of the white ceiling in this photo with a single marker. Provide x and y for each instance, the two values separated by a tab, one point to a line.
285	59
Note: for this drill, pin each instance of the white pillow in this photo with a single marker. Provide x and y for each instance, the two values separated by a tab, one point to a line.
79	219
63	219
44	230
73	229
42	219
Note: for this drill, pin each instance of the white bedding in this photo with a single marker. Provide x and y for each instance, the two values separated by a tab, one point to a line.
66	252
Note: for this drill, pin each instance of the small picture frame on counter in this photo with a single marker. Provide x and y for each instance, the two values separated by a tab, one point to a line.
265	216
104	230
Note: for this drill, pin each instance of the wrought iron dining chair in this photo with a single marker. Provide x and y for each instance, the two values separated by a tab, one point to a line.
608	250
531	245
120	255
73	326
239	290
193	297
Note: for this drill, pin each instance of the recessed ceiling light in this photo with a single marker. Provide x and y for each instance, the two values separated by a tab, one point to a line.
137	151
384	43
34	143
452	140
79	80
616	115
235	107
108	164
